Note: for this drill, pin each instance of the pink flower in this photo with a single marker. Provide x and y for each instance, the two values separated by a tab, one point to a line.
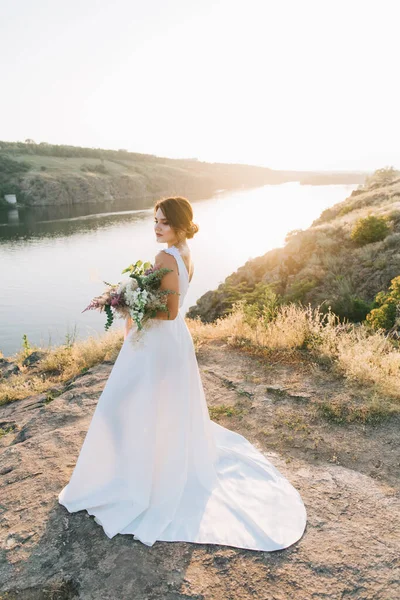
115	300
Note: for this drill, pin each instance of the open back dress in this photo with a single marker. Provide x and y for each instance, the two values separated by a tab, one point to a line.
155	466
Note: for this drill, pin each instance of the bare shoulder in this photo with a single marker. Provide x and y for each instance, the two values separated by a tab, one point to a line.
168	261
163	255
165	259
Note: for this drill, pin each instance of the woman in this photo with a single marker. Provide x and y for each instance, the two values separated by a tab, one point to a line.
153	464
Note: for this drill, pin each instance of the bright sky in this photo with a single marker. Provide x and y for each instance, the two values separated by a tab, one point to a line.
289	84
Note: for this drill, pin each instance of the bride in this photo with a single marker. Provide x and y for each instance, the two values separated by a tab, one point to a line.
153	464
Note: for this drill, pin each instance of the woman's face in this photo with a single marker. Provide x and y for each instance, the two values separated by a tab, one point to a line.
162	228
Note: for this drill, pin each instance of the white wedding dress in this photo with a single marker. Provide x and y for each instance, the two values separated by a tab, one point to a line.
155	466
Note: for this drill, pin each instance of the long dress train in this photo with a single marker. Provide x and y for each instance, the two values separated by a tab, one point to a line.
155	466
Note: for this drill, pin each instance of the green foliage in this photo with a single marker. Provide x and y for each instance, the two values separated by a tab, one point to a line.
44	149
152	280
26	345
299	289
261	304
4	431
263	297
99	168
386	307
224	411
370	229
342	413
392	241
8	166
136	269
351	307
110	316
346	209
11	172
383	317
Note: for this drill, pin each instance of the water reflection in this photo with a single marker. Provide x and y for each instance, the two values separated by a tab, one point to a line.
13	216
53	260
43	221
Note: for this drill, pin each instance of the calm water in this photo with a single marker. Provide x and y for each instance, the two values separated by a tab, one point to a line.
54	260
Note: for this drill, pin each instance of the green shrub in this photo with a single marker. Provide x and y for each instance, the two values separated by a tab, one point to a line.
260	303
351	307
8	166
100	168
299	289
393	240
386	307
370	229
345	210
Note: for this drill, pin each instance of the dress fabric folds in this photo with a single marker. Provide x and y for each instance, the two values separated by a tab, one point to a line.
155	466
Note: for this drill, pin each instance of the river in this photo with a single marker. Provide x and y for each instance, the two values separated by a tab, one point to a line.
53	260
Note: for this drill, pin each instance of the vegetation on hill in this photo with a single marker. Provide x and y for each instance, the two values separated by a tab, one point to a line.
51	174
11	173
348	256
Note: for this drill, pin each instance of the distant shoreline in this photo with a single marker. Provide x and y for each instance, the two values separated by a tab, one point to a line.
54	175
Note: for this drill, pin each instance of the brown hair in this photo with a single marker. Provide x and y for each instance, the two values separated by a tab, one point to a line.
179	213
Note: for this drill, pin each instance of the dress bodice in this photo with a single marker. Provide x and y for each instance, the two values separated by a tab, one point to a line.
182	272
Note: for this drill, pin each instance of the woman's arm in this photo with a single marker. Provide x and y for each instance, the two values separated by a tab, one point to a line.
128	325
170	281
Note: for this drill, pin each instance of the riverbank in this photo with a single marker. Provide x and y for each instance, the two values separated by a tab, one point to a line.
325	264
55	175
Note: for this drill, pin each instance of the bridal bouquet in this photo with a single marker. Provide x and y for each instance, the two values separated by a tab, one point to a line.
138	297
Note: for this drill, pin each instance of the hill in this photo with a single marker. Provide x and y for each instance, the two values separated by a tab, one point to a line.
325	264
45	174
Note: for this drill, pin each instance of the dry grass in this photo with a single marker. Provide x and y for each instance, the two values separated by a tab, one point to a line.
353	350
59	365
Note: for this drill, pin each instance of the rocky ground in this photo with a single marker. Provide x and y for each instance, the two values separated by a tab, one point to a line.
347	474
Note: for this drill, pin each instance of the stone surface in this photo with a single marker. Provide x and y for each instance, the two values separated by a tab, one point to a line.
347	476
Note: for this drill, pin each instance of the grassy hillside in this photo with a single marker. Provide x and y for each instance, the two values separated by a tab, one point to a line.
44	174
328	264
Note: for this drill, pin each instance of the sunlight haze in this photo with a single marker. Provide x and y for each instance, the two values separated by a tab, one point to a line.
288	85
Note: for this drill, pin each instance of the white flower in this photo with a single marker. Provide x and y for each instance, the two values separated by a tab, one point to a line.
127	286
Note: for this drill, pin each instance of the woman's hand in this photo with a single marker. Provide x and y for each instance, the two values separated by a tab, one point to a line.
128	325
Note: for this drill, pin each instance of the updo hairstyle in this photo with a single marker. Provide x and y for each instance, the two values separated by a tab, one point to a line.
179	213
